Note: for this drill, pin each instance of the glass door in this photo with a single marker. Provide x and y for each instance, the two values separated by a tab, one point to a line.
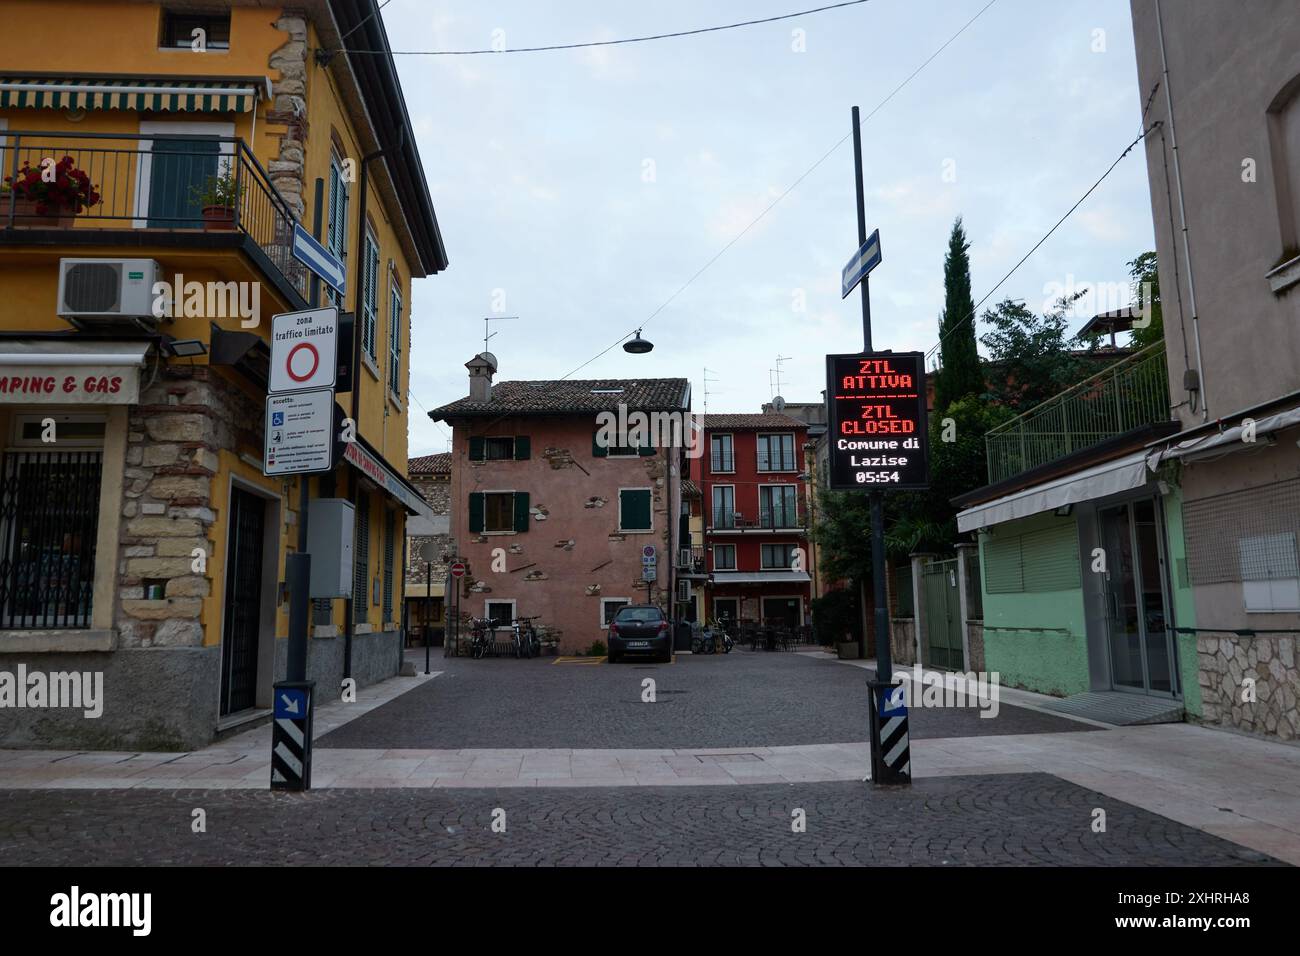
1139	639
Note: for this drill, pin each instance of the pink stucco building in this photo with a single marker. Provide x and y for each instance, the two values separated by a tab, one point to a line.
550	521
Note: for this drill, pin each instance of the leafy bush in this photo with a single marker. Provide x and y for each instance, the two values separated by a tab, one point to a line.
597	649
836	614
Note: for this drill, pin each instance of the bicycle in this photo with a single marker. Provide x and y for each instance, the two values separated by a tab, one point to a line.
527	643
482	637
702	643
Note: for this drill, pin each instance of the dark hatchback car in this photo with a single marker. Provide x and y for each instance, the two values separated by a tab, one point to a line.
640	629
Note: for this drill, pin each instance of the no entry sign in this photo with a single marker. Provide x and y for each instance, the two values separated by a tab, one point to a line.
304	350
877	421
458	570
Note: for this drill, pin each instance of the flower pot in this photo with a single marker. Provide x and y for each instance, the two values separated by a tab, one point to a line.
216	218
847	650
54	216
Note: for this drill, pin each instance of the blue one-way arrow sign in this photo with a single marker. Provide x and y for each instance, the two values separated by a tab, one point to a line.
318	259
291	704
863	261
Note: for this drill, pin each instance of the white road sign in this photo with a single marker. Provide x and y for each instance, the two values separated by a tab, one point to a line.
304	350
299	433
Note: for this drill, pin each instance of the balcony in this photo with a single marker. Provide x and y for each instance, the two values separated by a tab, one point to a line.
778	520
148	186
1131	394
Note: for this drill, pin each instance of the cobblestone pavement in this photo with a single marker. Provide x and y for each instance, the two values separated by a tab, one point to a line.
741	699
1021	819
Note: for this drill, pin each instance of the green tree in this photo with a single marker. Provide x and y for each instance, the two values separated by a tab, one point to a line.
1146	289
1030	356
960	373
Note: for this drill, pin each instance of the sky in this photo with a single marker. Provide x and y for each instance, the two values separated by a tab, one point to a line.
585	190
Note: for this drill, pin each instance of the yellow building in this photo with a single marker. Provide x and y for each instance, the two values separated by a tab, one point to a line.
152	147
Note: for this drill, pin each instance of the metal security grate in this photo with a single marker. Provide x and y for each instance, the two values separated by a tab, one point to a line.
390	534
361	563
49	513
1042	560
1248	535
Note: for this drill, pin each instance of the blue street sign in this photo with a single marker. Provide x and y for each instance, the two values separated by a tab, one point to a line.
863	261
892	704
318	259
290	704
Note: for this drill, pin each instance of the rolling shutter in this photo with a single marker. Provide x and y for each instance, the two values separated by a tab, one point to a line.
476	512
521	511
1050	558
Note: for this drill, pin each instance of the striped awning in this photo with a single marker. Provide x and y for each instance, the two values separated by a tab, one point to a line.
161	94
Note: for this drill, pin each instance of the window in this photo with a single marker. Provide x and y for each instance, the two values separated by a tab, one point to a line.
776	452
178	30
395	341
634	510
500	613
1270	572
606	444
336	238
499	448
390	546
361	561
721	457
50	503
724	557
609	607
724	506
369	295
498	512
778	556
777	507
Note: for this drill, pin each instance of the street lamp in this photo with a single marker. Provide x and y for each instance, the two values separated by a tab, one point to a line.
638	345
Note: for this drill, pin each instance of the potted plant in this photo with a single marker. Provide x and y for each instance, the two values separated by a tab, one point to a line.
50	195
217	199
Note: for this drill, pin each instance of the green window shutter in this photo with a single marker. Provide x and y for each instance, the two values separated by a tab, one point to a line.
647	449
634	510
597	451
476	513
1050	558
521	511
1003	570
476	448
523	448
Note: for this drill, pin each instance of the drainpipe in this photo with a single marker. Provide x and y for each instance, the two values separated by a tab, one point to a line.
358	323
1182	213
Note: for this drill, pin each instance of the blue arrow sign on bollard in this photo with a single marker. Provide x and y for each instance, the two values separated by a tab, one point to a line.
863	261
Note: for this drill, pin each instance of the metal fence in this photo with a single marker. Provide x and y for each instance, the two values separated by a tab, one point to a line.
157	182
1131	393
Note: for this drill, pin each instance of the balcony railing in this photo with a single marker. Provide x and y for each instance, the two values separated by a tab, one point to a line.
778	520
1129	394
724	461
151	182
776	462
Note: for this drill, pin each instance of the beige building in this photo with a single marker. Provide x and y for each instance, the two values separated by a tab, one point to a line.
1223	81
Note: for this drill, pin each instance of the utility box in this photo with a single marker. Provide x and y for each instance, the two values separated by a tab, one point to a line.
330	523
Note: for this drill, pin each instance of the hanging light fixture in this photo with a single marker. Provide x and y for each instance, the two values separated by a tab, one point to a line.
638	345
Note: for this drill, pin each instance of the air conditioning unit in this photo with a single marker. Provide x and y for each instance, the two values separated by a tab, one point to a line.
97	293
684	557
684	591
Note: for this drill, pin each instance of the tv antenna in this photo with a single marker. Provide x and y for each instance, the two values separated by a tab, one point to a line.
774	383
494	318
707	380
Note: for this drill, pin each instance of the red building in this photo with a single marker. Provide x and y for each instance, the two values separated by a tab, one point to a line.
753	497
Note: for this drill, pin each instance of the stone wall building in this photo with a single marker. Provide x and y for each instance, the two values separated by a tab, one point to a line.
426	582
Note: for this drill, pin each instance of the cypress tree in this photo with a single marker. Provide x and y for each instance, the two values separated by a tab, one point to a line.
960	374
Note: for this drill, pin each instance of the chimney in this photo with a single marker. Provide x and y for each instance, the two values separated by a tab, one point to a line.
481	369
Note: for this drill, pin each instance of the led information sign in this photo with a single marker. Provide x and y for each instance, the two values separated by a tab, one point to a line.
877	421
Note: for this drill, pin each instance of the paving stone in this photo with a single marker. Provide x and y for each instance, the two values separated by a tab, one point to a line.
1022	819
